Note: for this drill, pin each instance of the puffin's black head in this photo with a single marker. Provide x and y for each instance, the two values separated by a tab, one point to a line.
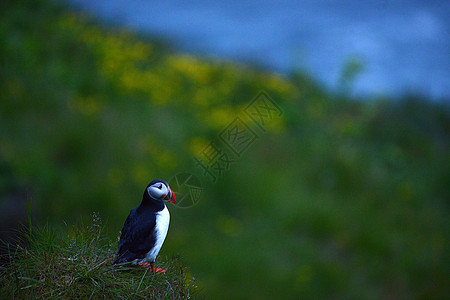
159	190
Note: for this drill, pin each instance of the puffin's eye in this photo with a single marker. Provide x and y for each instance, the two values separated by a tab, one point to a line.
160	186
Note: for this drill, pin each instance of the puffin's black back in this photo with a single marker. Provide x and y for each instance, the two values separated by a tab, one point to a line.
138	233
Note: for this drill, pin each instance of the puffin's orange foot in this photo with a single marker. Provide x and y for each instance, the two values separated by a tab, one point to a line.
144	264
152	267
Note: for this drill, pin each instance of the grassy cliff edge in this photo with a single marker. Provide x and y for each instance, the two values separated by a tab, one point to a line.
77	263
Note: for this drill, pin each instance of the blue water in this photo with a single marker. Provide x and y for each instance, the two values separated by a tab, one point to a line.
403	45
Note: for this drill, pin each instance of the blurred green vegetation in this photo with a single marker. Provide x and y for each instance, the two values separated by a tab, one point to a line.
342	198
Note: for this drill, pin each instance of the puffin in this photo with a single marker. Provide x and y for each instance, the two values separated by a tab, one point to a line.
145	228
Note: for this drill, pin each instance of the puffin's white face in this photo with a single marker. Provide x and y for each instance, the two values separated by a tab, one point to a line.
161	191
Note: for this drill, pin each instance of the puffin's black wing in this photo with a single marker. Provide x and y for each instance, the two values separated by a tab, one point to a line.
137	237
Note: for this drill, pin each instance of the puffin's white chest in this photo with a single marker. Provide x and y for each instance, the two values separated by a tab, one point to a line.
161	227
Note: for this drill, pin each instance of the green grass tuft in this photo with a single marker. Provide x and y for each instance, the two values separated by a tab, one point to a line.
77	263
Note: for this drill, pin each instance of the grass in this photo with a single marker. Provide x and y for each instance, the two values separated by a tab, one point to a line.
78	264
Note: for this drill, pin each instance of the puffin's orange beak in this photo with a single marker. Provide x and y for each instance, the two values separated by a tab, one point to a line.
172	199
